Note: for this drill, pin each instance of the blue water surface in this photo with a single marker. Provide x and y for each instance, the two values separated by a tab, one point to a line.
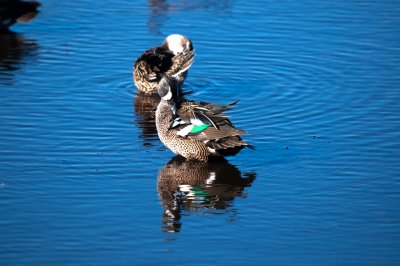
84	179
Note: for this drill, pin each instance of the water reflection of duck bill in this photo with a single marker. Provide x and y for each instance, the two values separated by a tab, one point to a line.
193	186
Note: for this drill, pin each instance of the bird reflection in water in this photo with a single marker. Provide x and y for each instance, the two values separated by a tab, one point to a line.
13	47
159	10
198	187
12	11
145	110
14	50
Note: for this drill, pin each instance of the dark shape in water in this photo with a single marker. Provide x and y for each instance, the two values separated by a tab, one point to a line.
13	49
198	187
145	108
12	11
160	10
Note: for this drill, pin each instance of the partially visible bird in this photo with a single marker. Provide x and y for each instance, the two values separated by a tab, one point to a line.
171	58
12	11
195	130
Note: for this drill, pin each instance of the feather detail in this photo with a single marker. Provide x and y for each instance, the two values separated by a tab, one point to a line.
206	119
155	63
181	63
197	122
177	121
198	129
185	131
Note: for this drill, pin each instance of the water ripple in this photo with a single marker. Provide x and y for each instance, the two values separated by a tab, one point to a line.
81	163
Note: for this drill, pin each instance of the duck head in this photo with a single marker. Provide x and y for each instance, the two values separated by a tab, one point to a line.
177	43
168	89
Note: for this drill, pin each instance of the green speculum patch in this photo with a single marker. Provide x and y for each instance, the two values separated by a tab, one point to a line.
197	129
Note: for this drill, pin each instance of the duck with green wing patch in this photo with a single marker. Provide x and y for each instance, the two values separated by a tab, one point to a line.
195	130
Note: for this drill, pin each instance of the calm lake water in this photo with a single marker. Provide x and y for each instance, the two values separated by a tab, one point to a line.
84	179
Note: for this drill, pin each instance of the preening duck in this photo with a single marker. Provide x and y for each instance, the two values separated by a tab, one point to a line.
195	130
171	58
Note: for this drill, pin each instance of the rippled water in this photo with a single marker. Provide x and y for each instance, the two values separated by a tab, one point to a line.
85	180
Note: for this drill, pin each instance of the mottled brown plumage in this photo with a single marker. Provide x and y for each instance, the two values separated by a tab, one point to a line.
173	57
195	130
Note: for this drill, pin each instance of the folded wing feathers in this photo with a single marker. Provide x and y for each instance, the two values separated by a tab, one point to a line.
221	134
206	119
181	63
211	133
226	143
212	113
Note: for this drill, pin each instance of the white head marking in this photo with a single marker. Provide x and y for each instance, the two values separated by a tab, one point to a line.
177	43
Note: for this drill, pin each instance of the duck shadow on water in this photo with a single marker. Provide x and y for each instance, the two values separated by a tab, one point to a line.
14	50
195	187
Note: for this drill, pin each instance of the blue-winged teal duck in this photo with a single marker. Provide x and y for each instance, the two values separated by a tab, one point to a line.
195	130
167	59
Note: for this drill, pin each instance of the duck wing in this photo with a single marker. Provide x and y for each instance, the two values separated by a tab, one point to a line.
204	121
204	113
211	133
181	63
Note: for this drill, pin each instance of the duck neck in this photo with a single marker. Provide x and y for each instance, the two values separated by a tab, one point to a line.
164	116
